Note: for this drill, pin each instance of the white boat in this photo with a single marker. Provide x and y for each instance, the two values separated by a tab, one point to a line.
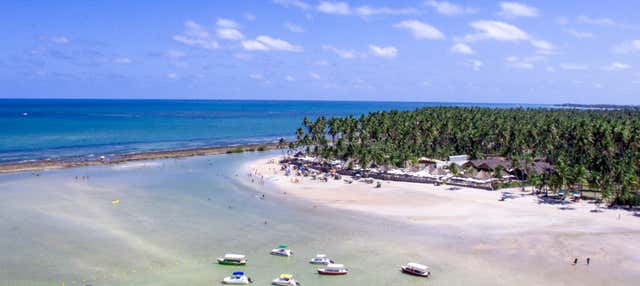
285	280
233	259
282	250
237	278
320	259
416	269
333	269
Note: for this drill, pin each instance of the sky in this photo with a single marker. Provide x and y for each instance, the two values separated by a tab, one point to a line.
583	51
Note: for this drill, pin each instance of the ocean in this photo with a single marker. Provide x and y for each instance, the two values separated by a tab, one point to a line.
175	216
38	129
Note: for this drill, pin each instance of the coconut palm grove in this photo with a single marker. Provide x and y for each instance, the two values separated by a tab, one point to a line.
588	149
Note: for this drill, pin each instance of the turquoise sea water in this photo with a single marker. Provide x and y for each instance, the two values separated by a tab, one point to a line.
59	128
176	216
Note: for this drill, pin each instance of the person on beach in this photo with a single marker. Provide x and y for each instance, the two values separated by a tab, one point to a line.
588	260
575	261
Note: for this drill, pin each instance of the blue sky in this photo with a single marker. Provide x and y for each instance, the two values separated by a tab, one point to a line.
463	51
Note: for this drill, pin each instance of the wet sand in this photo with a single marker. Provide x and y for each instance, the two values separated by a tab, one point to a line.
539	235
74	162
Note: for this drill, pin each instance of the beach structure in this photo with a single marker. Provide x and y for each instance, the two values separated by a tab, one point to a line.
416	269
459	159
232	259
333	269
237	278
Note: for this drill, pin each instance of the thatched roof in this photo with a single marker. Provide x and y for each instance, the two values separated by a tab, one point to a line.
490	164
480	175
539	167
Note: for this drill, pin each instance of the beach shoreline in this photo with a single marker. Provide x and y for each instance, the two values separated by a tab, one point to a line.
41	165
522	227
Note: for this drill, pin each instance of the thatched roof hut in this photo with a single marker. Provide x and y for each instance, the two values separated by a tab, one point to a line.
489	164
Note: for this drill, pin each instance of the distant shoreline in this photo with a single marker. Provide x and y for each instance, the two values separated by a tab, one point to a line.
40	165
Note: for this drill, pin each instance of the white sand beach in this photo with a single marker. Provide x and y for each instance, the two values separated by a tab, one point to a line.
546	236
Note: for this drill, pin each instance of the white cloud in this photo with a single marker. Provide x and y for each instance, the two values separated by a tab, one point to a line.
346	54
496	30
337	8
315	75
252	45
461	48
596	21
256	76
266	43
250	17
523	62
578	34
449	9
293	3
616	66
196	35
172	75
420	30
542	45
279	45
476	65
515	9
570	66
122	61
226	23
293	27
627	47
343	8
383	52
289	78
229	34
371	11
60	40
501	31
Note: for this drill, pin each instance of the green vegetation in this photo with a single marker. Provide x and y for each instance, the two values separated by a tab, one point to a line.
235	150
261	148
588	148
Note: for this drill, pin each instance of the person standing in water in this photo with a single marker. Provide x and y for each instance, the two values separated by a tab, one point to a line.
575	261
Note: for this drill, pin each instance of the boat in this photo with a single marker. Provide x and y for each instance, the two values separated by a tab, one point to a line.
285	280
282	250
333	269
320	259
416	269
233	259
237	278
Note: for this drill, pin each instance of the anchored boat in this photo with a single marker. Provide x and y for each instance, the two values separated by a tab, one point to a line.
282	250
416	269
237	278
333	269
285	280
233	259
321	259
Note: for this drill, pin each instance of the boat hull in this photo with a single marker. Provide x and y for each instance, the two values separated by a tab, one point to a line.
234	263
415	273
322	272
237	281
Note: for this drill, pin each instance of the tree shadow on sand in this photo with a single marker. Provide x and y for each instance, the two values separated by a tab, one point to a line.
552	201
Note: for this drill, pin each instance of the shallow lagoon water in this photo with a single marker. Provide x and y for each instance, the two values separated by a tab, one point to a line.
176	216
